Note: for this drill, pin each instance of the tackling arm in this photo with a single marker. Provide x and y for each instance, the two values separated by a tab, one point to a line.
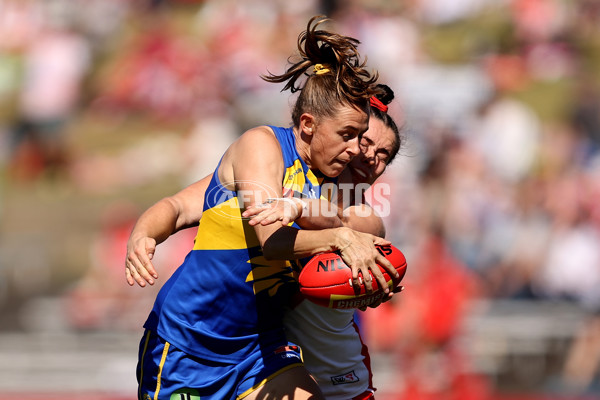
156	224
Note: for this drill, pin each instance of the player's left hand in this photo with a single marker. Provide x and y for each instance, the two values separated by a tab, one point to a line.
138	263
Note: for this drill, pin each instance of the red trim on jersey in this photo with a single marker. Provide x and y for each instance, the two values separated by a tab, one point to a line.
367	361
368	395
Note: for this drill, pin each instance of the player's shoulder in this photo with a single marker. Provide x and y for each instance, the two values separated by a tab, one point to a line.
259	140
259	143
261	134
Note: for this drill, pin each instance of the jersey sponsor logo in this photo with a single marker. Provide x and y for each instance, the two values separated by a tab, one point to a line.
293	174
348	377
355	303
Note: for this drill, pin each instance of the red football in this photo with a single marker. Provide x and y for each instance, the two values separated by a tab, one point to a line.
327	280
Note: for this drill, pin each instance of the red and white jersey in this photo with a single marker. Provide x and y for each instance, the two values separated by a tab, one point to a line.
332	349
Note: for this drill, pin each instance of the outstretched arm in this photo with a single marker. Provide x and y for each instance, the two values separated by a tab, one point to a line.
156	224
316	214
348	208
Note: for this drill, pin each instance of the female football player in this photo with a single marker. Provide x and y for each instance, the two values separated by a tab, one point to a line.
341	354
216	330
332	348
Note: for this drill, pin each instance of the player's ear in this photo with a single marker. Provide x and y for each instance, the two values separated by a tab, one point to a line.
307	124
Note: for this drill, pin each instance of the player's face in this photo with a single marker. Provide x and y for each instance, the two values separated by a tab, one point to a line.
376	146
335	141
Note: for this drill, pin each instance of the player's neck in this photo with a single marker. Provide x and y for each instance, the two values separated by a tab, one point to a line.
303	147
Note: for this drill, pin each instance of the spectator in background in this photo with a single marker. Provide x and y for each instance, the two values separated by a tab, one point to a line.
217	130
571	271
159	73
506	128
56	63
571	268
585	117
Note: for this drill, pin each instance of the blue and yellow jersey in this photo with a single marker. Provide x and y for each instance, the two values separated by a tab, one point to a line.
226	299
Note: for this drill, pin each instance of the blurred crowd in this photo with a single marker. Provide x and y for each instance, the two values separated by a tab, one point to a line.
496	193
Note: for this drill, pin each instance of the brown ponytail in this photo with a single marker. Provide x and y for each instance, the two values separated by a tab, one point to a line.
346	81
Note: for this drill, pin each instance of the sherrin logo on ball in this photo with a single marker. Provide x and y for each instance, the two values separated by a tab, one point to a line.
327	280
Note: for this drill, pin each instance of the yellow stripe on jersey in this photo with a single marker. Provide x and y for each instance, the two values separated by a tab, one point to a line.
160	368
313	178
222	228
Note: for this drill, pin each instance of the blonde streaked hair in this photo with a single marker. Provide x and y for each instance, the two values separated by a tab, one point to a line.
329	73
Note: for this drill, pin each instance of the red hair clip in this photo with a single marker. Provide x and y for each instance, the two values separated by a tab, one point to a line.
375	102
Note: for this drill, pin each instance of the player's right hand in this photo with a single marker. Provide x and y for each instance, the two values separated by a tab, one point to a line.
274	210
138	263
359	253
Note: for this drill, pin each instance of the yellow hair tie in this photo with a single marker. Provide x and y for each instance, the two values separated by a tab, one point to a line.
321	69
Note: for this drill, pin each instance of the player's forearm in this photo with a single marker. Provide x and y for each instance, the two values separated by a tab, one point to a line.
158	222
288	243
320	214
323	214
363	219
173	213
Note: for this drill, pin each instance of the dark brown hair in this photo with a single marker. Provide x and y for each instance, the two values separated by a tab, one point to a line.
386	95
347	81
